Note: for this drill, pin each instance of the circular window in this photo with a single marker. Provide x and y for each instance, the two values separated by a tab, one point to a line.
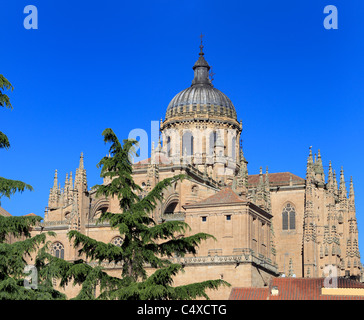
117	241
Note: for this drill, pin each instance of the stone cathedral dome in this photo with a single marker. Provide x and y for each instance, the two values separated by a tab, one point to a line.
201	98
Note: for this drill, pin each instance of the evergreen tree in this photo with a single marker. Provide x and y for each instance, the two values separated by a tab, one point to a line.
15	257
144	241
7	186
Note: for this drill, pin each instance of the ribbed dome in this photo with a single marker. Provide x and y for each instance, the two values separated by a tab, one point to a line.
209	99
201	97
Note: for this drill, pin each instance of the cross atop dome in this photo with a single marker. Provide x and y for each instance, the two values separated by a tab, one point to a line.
201	46
201	62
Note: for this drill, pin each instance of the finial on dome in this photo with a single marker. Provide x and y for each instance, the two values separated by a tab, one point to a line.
201	45
201	62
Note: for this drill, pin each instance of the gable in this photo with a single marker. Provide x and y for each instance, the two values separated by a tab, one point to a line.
226	195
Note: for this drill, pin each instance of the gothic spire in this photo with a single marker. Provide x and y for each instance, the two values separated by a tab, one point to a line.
260	202
330	179
66	182
70	189
81	166
351	191
267	191
319	169
81	178
67	191
70	181
266	182
54	192
241	178
261	182
55	182
342	188
309	169
159	147
335	184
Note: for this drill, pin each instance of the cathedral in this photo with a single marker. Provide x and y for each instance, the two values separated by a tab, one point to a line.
265	226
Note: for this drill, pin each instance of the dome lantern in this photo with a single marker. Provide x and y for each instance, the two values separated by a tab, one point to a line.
201	69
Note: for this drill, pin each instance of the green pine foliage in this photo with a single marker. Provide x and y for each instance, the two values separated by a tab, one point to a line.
8	187
145	243
16	226
78	272
4	141
4	99
4	102
15	257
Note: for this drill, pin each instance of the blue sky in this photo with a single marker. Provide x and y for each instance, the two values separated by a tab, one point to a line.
92	65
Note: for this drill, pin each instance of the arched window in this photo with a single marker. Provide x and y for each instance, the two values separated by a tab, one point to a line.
213	139
187	143
57	250
117	241
289	217
233	148
168	146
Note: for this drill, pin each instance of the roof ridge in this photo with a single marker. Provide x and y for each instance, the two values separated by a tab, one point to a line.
257	174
